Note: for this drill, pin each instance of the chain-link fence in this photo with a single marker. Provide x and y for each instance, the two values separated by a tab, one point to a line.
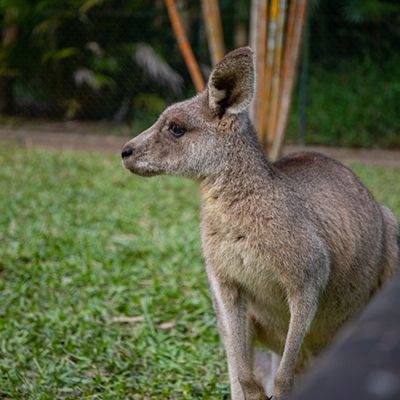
118	61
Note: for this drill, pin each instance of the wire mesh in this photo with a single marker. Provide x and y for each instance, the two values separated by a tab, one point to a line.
120	62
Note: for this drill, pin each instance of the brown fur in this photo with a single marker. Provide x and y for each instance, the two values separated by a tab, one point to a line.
293	249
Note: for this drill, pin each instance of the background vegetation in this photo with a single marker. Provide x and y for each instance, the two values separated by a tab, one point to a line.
103	293
118	60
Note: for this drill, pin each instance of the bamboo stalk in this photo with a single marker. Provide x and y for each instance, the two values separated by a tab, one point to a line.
212	21
297	12
271	117
253	27
184	46
261	38
253	38
271	43
220	51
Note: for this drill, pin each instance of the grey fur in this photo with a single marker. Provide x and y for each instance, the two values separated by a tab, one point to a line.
293	249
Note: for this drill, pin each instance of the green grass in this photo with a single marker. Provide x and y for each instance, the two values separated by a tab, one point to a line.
84	242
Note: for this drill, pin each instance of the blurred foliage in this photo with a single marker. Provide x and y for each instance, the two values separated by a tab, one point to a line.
107	59
352	104
353	80
76	58
148	107
354	29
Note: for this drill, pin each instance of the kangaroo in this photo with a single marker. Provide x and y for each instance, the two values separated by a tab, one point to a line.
293	249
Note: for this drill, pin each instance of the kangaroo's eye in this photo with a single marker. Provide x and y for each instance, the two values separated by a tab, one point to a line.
176	130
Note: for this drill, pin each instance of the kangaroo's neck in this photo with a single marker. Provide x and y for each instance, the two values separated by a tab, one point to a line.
243	172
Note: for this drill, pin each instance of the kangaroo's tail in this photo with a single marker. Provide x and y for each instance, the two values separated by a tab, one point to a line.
392	244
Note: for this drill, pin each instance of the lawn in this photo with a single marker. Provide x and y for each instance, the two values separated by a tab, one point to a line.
103	293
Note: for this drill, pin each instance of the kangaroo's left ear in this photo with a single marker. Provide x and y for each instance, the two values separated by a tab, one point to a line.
231	83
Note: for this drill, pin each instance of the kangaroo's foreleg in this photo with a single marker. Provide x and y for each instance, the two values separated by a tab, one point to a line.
302	311
234	325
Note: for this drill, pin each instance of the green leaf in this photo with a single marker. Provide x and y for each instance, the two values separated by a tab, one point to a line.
88	4
59	54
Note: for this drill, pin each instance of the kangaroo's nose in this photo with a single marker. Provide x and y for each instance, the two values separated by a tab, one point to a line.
127	151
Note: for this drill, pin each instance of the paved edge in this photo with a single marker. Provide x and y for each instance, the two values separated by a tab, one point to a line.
113	144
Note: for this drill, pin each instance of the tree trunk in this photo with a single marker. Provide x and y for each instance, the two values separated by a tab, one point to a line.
9	38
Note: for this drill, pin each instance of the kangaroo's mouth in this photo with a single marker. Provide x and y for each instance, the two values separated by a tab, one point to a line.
139	167
143	172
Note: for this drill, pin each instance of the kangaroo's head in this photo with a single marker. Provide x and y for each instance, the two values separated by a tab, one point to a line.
195	137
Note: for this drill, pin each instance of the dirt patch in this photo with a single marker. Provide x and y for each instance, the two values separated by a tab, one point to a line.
64	141
389	158
90	142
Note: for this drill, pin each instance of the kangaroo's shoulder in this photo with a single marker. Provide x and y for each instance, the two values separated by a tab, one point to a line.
315	166
306	160
316	170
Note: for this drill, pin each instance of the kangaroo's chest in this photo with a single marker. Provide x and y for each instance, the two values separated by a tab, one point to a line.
233	254
235	251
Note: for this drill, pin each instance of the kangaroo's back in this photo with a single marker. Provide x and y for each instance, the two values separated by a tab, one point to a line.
359	233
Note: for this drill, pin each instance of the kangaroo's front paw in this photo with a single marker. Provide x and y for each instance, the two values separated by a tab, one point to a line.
280	395
283	387
252	390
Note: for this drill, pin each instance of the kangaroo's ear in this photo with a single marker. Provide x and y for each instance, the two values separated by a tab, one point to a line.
231	83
